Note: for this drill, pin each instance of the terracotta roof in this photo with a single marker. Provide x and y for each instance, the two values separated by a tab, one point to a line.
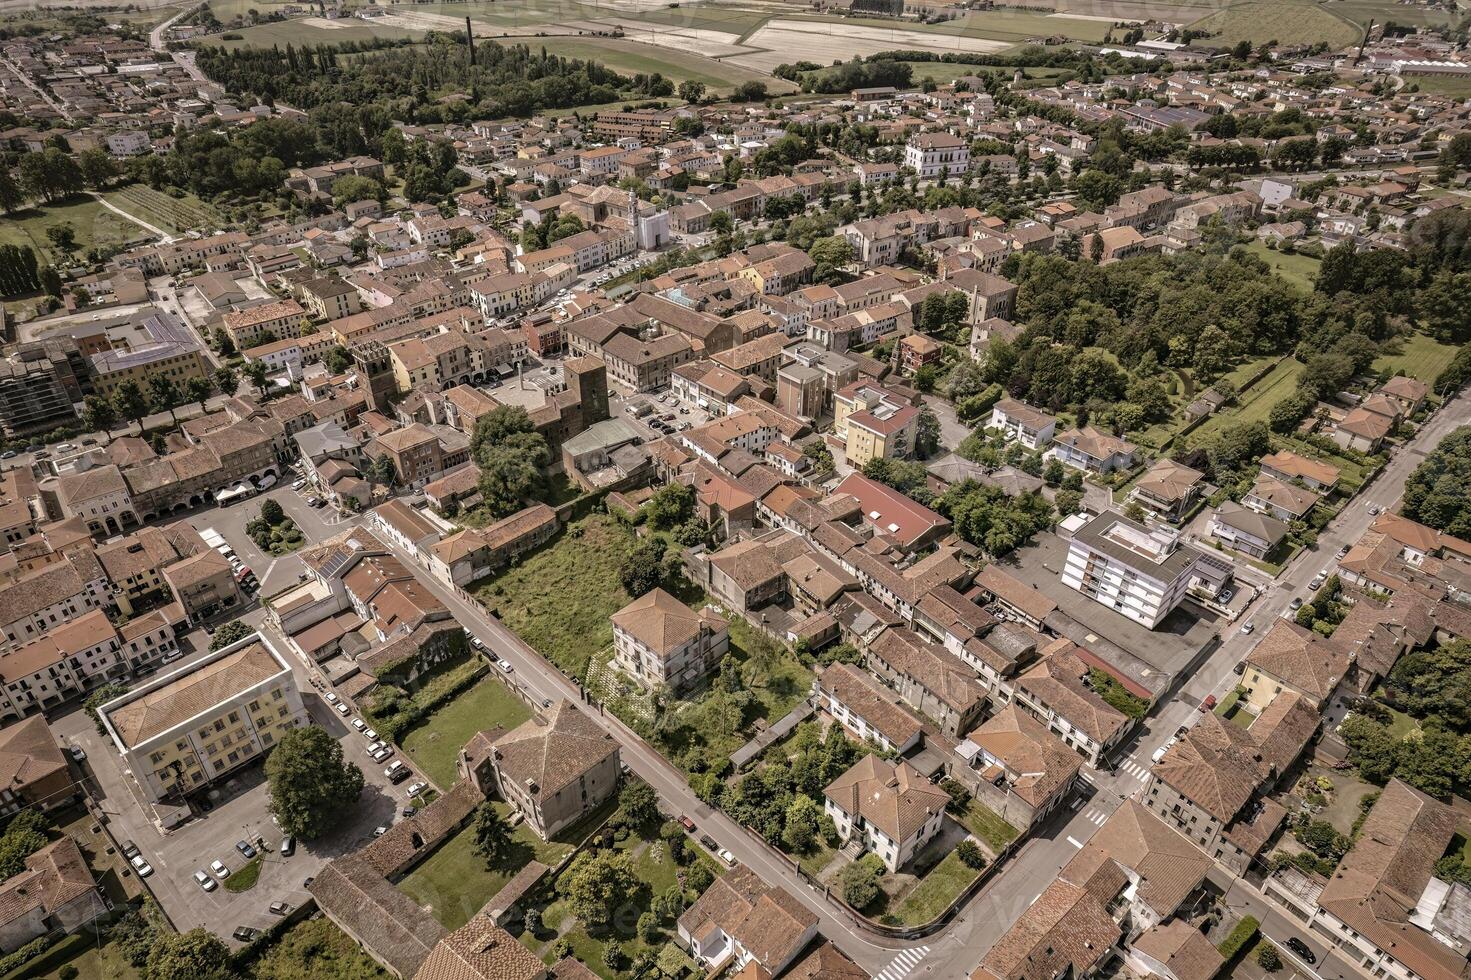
1183	949
28	754
1300	658
554	753
1169	867
192	690
896	799
480	950
662	623
1065	929
1057	682
1042	764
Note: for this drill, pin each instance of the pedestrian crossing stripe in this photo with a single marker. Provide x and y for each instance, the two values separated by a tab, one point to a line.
903	963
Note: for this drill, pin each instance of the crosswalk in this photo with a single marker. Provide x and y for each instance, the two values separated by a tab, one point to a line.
1134	769
901	965
1096	816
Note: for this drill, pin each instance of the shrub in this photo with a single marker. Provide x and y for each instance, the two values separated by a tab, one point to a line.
1267	957
1244	933
970	854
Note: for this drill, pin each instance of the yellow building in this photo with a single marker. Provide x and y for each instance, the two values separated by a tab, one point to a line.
874	423
186	729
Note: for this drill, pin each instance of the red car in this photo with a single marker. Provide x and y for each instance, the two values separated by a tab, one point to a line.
1208	704
688	824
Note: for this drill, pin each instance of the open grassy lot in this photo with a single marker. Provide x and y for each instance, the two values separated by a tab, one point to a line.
1380	11
82	952
434	743
1298	269
1458	87
315	950
299	32
987	824
173	214
1418	355
559	599
92	224
1012	26
1283	21
1257	402
454	883
935	891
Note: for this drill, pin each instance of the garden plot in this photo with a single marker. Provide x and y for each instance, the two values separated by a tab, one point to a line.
825	43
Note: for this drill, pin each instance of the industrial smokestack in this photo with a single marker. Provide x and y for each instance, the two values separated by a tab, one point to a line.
470	39
1367	31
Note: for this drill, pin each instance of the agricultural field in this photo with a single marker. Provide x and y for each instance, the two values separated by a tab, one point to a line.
1284	21
1258	401
92	224
302	32
632	57
1456	88
173	214
1420	356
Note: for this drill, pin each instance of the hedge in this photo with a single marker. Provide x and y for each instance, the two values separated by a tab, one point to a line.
28	952
1243	934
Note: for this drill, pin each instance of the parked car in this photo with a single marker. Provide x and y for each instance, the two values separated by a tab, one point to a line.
330	698
1295	604
343	709
1343	551
708	842
383	754
245	849
409	811
1159	753
400	775
416	788
203	880
298	484
727	857
219	869
505	665
359	724
1373	510
379	830
394	768
687	824
1247	628
279	908
288	846
375	746
1301	949
130	850
245	934
1209	704
141	866
1226	596
8	454
370	735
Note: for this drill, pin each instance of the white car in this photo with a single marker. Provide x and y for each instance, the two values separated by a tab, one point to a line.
727	857
204	881
298	484
1248	627
381	754
141	866
1159	753
393	767
416	788
504	665
343	709
375	746
219	869
330	698
359	724
370	735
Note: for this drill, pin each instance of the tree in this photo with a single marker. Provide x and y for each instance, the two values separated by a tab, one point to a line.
492	836
227	380
11	195
198	390
194	955
63	237
259	375
1435	493
98	168
1372	748
642	569
1267	957
691	90
229	633
671	504
511	455
927	434
970	854
595	883
163	394
638	803
860	881
803	817
98	414
24	836
129	402
271	512
310	783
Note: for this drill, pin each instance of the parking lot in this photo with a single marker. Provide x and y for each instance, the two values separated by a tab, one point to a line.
666	408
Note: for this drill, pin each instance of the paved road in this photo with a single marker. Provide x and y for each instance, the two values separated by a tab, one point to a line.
39	90
983	922
544	681
155	36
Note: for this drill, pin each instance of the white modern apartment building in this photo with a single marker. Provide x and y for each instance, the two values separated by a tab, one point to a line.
1136	571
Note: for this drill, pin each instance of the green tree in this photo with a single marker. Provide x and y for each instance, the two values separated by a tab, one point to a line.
1267	957
194	955
594	885
11	195
642	568
198	390
63	237
229	633
98	168
802	819
311	785
163	395
492	836
511	455
691	90
227	380
860	881
98	414
259	375
970	854
129	401
671	504
272	512
24	836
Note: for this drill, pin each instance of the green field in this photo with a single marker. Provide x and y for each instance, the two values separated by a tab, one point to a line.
1013	26
173	214
93	225
1455	88
435	743
934	893
1298	269
632	57
1257	402
1283	21
454	883
1418	355
295	32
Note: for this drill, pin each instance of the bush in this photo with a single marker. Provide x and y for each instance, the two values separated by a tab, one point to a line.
860	881
970	854
1244	933
26	953
1267	957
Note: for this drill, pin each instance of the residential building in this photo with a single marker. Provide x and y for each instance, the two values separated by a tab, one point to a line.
933	154
1020	422
660	641
1247	531
866	709
741	920
1023	772
1092	451
1167	489
875	423
556	771
185	730
1139	572
890	807
1290	658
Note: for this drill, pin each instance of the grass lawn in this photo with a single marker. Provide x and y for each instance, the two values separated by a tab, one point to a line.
779	691
434	743
1298	269
245	878
454	883
935	891
92	224
559	599
628	56
1420	356
315	950
1258	401
1285	21
819	858
81	951
988	825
